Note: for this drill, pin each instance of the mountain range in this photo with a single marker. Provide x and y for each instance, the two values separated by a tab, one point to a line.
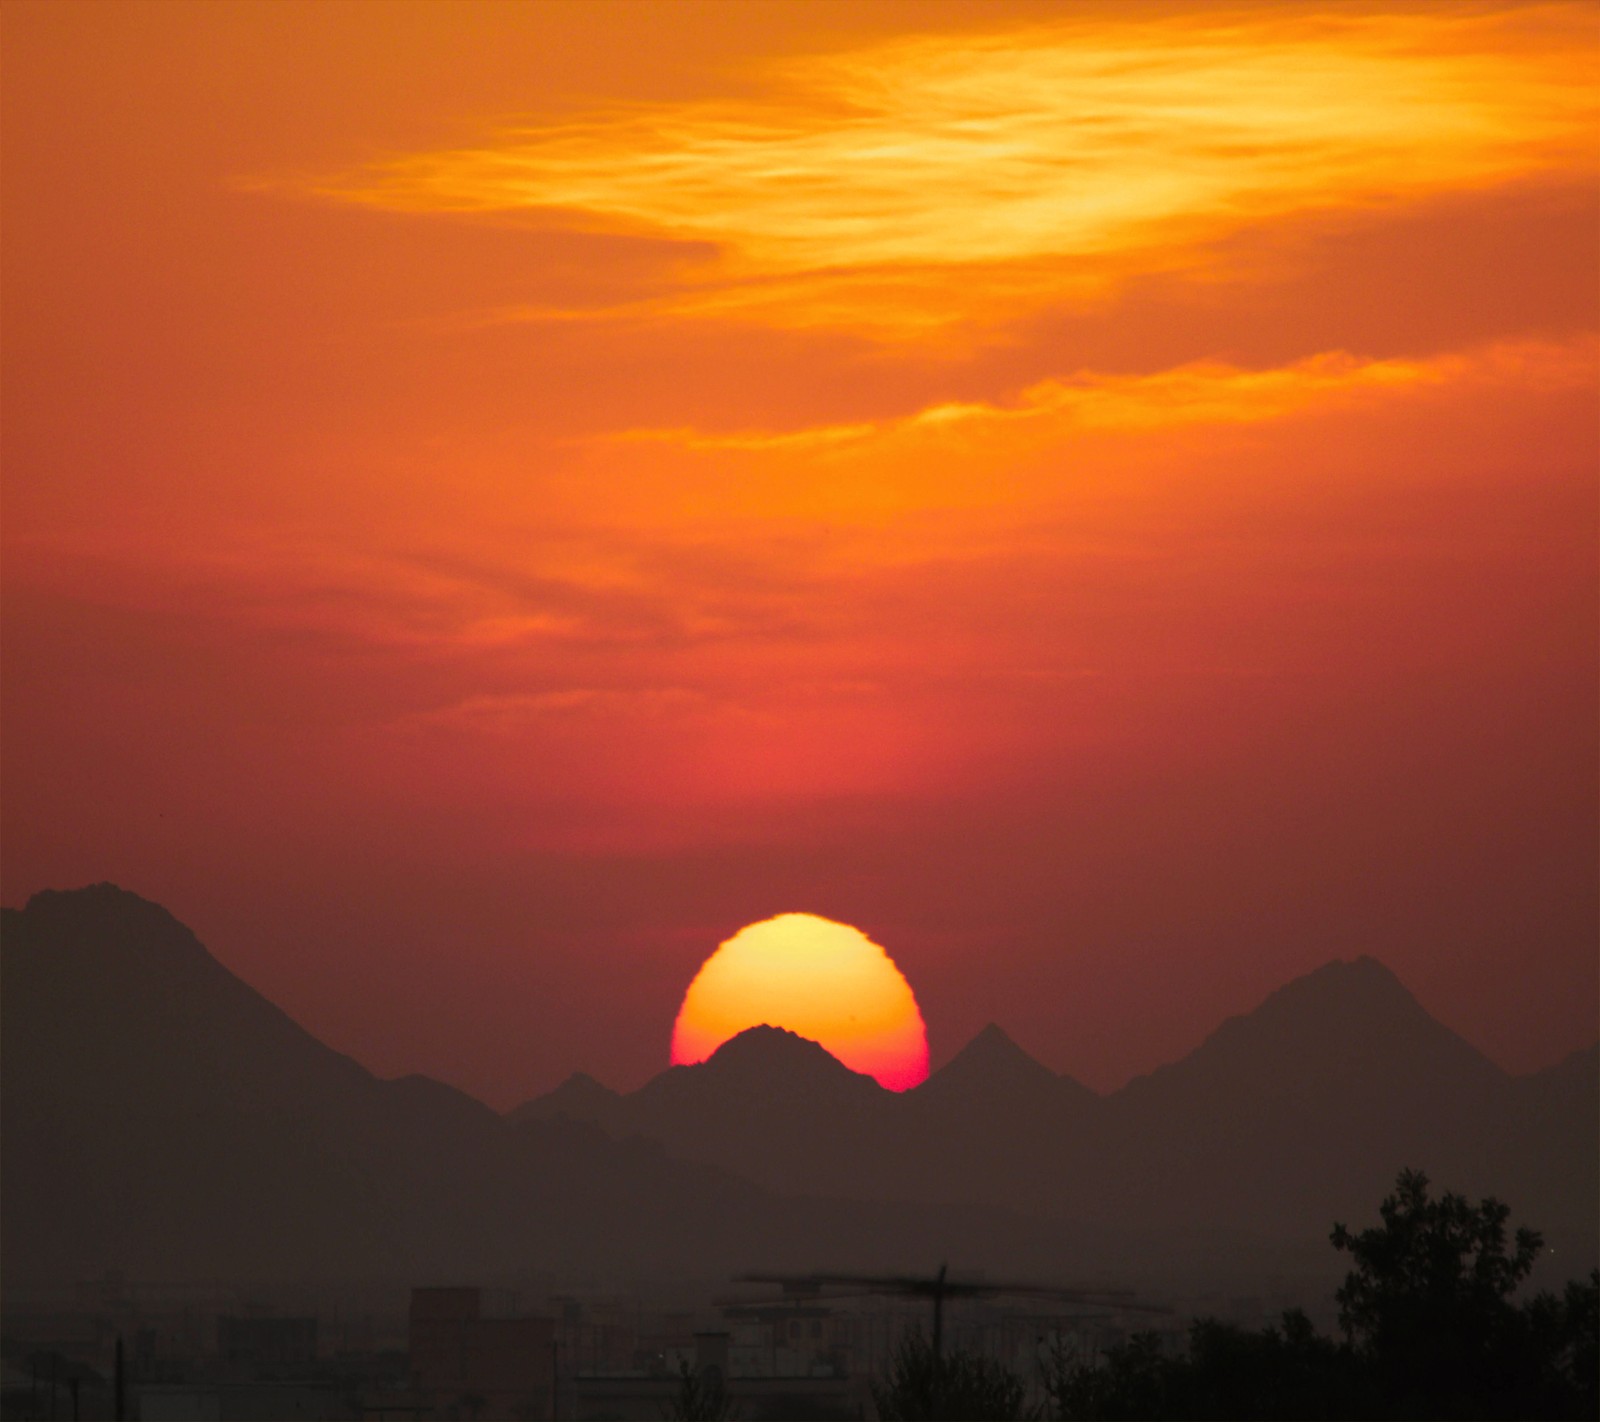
1285	1118
162	1118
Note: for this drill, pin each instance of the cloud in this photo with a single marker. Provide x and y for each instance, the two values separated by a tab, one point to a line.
1205	392
936	179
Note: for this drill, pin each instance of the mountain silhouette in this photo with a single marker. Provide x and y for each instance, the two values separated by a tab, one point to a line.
164	1119
579	1098
161	1113
991	1062
1353	1022
780	1108
992	1113
1541	1156
1306	1105
767	1103
766	1069
1286	1117
766	1048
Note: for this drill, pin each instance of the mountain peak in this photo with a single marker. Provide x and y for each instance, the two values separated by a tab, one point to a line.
96	900
582	1081
1346	1000
762	1069
1348	1020
579	1097
768	1048
992	1068
1361	983
104	918
994	1055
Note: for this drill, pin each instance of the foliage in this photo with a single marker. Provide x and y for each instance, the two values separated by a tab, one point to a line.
926	1387
1564	1338
700	1396
1435	1274
1288	1373
1431	1329
1430	1311
1132	1379
1228	1372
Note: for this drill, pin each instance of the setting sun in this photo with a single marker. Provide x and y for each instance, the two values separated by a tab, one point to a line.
820	979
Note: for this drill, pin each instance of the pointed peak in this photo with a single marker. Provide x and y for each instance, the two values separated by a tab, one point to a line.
991	1056
581	1084
992	1043
582	1081
580	1096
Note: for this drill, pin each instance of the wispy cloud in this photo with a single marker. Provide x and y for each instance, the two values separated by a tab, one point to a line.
1208	392
1036	164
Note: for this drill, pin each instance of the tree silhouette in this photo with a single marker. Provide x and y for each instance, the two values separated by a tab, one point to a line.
1429	1309
1130	1380
1431	1325
952	1383
700	1397
1566	1334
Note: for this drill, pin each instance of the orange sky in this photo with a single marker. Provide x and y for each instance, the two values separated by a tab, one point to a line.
1104	499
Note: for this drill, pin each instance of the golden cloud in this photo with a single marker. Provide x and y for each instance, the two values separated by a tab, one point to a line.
912	184
1205	392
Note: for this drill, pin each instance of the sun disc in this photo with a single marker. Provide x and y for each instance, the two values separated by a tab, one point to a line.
814	977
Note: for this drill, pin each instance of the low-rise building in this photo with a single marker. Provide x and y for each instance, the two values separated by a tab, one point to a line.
476	1362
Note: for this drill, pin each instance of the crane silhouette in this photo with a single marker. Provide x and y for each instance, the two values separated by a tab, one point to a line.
939	1287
